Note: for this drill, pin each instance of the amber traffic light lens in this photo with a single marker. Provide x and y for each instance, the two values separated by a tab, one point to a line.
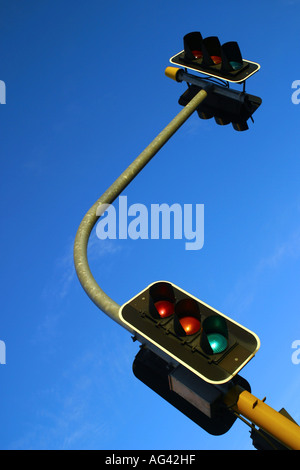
190	325
187	318
216	59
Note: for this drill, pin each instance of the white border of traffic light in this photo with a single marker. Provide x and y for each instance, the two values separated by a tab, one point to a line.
210	74
175	358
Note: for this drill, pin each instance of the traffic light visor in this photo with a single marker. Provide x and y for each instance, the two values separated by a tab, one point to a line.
231	57
214	339
161	300
187	317
212	51
208	52
192	44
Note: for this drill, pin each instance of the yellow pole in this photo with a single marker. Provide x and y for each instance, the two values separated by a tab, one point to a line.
261	414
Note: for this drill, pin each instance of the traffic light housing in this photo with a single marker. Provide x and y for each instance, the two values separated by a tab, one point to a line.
224	105
208	56
187	331
198	400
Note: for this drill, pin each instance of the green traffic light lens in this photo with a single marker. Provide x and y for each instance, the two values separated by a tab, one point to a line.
236	65
217	342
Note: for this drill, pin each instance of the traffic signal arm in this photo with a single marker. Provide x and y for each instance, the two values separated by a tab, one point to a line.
89	284
225	104
268	419
220	91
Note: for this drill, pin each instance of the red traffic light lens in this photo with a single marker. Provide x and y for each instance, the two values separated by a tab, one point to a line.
161	300
190	325
197	54
164	308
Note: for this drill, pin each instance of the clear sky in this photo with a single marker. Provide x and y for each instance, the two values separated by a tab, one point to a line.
85	94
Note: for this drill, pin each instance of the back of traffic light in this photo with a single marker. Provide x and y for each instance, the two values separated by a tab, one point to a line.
226	106
187	331
208	56
200	401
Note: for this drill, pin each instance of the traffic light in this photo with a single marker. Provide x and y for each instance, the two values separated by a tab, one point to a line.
177	325
225	105
208	56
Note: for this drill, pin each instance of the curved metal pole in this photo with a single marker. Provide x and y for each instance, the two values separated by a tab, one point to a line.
96	294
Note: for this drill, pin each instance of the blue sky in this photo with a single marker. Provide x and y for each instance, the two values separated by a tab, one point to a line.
85	94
